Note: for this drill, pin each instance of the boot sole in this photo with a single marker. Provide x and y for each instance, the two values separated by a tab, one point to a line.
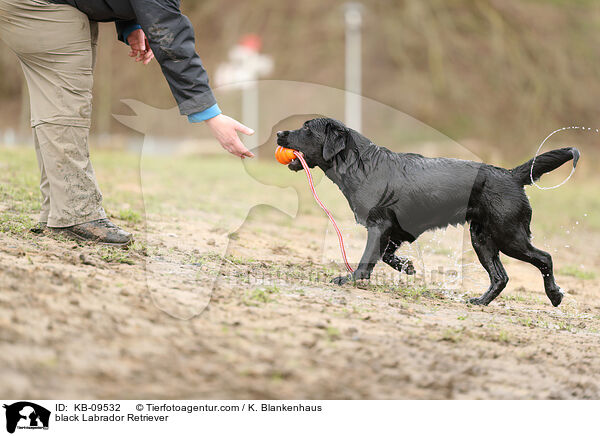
75	236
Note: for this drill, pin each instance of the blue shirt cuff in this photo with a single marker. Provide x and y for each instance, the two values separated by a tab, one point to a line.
128	30
206	114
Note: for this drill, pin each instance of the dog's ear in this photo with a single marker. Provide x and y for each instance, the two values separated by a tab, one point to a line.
335	141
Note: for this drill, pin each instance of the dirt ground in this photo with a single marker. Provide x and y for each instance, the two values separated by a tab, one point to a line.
79	321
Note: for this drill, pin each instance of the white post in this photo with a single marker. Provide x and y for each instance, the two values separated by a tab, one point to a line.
353	15
246	65
250	113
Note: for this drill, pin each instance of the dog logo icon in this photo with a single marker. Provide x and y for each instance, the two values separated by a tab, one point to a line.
26	415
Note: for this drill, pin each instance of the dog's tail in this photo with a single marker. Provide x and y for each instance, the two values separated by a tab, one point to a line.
544	163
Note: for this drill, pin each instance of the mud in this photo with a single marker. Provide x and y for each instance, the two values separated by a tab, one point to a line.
82	322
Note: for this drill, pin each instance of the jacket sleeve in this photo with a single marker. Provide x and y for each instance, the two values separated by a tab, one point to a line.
172	40
125	27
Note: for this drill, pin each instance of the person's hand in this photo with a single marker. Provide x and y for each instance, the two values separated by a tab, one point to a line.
140	48
225	130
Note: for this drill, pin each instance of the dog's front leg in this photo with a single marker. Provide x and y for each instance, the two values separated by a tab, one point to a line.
378	237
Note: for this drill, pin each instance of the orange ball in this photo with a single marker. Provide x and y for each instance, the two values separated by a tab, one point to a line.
284	155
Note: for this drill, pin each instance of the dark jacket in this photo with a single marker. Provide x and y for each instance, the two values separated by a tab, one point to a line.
171	37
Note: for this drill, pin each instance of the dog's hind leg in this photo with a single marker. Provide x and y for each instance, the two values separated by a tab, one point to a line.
401	264
487	252
520	248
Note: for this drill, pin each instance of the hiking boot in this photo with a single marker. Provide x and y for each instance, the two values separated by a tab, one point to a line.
39	228
100	231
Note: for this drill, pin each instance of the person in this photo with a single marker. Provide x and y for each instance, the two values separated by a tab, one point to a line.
55	42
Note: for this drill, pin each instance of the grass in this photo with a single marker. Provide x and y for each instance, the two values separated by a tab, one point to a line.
260	296
19	194
565	210
194	259
565	325
542	323
163	177
412	293
573	271
526	322
213	184
453	335
15	223
504	337
202	177
115	255
521	297
140	248
237	260
130	216
416	292
333	334
442	251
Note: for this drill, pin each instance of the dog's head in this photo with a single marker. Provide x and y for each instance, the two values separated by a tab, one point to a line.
319	139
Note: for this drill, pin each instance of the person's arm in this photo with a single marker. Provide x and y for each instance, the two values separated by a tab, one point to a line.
172	40
171	37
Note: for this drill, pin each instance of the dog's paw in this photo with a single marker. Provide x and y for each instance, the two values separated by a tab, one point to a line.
408	268
477	302
400	264
556	297
341	279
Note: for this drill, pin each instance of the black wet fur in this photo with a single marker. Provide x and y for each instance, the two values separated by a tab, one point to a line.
398	196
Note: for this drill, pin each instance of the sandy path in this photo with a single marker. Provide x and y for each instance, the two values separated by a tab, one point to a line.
77	322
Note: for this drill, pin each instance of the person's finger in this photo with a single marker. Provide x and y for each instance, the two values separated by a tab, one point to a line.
132	53
148	57
240	149
244	129
234	152
231	148
148	54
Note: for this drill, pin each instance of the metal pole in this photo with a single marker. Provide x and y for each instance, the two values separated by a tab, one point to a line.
353	15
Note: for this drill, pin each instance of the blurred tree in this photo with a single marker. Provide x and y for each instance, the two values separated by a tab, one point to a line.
505	72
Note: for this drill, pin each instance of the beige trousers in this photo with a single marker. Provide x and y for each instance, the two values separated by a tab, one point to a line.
56	46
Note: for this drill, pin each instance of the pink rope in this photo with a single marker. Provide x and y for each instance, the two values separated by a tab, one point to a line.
314	193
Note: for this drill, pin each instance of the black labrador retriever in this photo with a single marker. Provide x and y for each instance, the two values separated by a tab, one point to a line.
398	196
